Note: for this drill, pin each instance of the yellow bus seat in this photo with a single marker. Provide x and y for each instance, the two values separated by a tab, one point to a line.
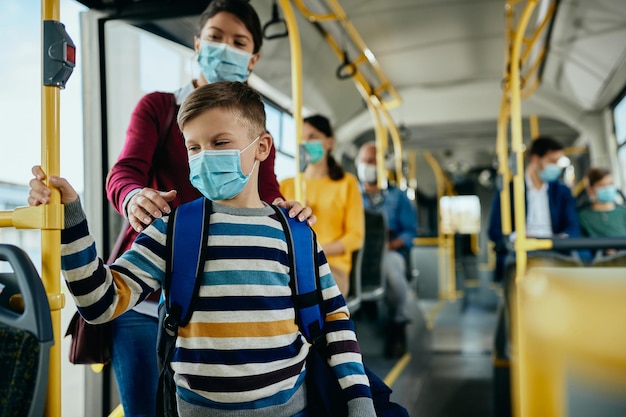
574	341
25	337
502	338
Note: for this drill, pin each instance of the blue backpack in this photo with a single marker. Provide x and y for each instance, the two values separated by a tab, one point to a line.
188	232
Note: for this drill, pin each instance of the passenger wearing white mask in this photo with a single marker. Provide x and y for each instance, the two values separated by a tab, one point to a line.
401	219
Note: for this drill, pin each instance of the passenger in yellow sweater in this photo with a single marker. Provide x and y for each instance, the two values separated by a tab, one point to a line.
334	196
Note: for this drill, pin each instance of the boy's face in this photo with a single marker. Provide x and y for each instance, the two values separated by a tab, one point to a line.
218	129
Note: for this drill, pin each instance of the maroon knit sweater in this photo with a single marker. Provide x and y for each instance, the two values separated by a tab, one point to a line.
171	170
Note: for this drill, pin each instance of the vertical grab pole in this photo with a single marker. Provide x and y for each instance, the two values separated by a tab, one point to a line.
51	239
397	147
381	144
503	166
296	89
520	384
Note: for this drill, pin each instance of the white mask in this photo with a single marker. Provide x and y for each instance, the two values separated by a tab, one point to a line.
367	173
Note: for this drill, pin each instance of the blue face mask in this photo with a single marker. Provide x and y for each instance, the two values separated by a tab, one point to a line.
217	174
550	173
315	150
222	62
606	194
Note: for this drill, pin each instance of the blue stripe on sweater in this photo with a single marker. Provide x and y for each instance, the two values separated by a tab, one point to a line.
79	259
279	398
348	368
245	278
143	263
234	229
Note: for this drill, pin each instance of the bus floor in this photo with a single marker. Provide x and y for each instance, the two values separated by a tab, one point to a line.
447	371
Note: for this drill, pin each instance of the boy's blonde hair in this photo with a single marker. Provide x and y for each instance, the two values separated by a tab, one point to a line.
243	101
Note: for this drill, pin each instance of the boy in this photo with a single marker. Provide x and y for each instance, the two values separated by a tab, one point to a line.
242	353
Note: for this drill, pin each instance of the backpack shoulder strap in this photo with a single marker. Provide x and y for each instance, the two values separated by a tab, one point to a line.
188	235
304	273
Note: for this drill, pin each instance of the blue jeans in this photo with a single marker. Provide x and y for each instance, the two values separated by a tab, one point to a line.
134	360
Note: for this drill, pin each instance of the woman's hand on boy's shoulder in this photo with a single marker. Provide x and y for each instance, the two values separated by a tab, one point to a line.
297	209
40	192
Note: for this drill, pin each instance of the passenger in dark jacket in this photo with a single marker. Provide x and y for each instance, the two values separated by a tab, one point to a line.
550	206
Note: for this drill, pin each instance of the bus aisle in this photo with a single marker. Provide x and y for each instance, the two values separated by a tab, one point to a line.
448	369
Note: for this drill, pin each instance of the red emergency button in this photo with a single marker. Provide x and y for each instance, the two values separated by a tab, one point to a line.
70	53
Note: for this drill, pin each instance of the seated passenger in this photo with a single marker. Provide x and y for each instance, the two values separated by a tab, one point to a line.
334	197
602	218
401	218
550	206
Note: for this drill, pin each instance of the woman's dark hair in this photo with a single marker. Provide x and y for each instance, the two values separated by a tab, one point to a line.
240	9
321	123
596	174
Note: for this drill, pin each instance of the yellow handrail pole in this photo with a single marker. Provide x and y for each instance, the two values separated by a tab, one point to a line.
445	270
503	165
51	239
381	143
520	373
412	181
295	47
534	126
397	144
502	150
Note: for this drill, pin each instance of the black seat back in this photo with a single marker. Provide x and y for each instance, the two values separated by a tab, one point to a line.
374	246
25	336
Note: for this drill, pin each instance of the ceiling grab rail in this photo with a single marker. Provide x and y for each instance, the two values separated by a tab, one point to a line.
531	69
374	95
274	21
366	56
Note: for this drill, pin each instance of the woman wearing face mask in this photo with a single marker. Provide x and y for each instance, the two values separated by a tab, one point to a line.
602	217
334	196
149	179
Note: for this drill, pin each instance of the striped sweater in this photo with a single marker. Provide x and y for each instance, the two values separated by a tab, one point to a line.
242	352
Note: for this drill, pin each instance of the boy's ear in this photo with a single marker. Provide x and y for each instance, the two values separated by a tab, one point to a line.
264	147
